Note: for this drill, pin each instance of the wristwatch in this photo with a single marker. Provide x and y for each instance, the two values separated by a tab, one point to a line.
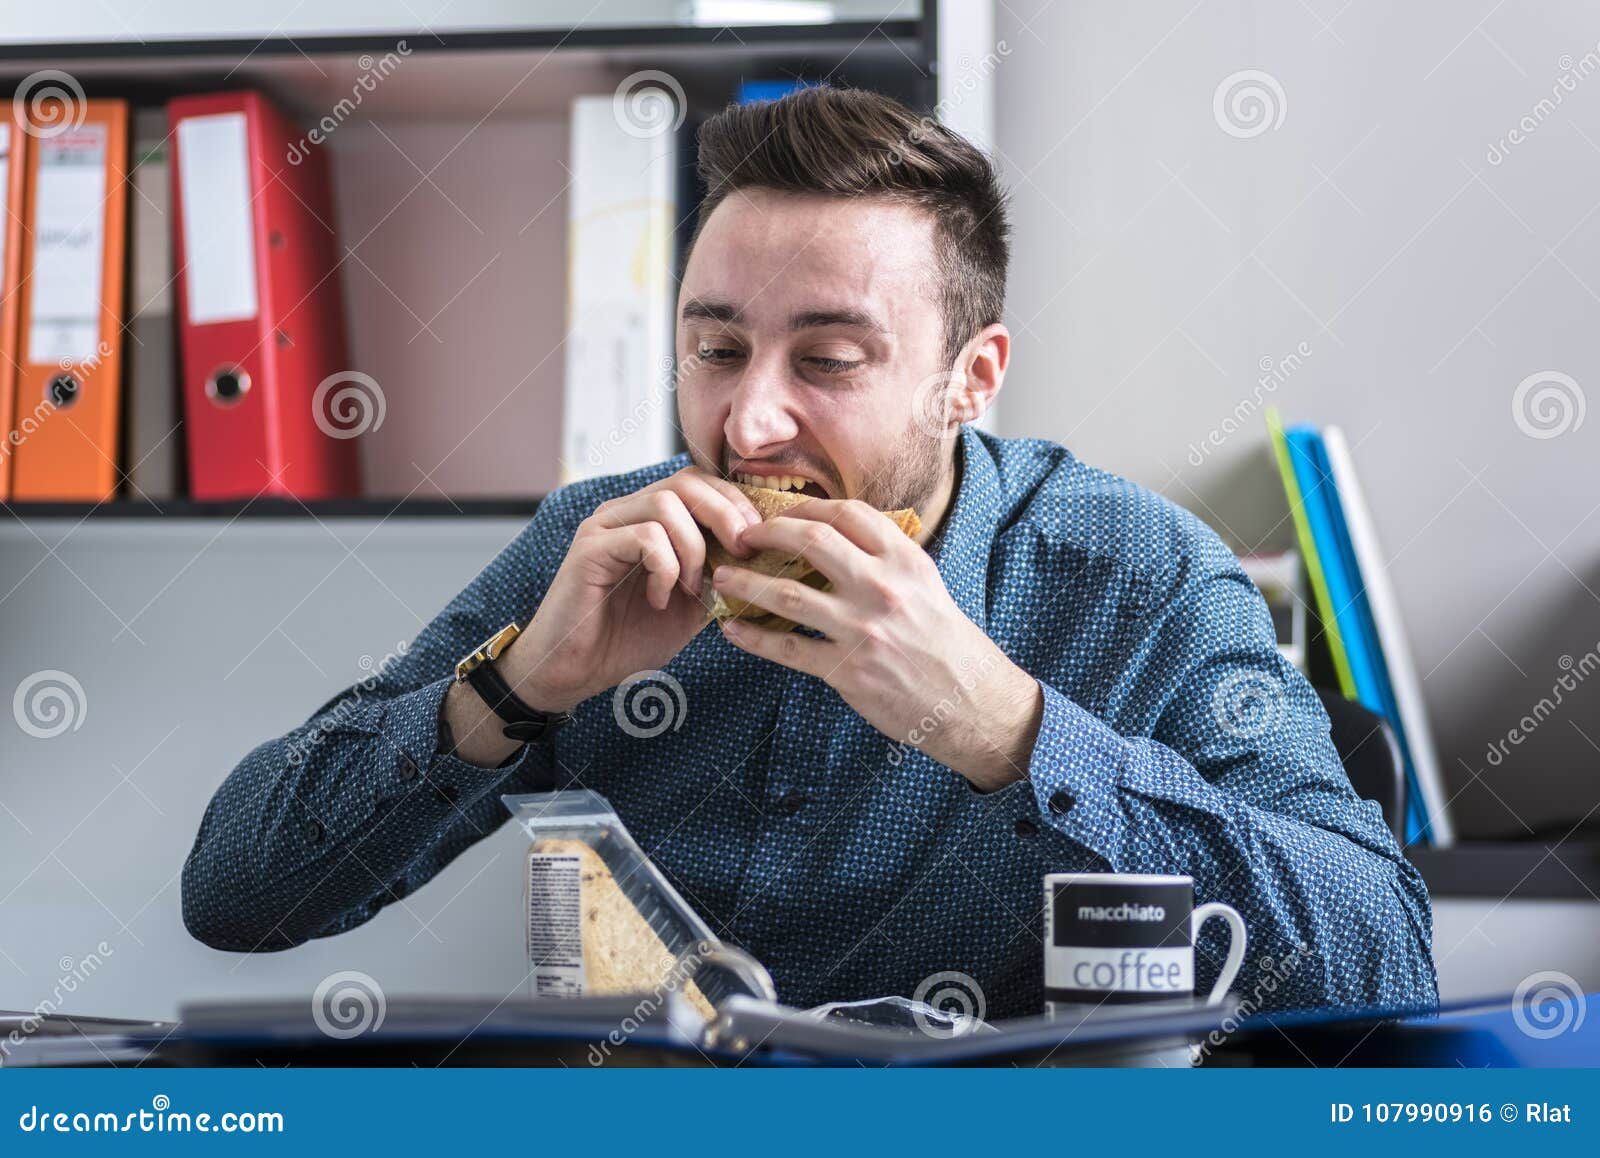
523	723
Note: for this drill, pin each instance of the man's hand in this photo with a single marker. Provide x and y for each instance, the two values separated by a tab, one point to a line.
898	649
625	599
627	596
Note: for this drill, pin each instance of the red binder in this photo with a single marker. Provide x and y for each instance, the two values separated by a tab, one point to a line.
271	405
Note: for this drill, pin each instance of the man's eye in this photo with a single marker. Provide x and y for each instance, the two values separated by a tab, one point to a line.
833	365
716	354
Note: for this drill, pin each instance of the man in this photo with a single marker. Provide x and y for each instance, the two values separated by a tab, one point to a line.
1067	673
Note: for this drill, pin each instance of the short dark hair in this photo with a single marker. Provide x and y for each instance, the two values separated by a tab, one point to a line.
846	142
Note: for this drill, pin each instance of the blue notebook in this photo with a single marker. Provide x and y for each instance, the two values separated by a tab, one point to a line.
1356	624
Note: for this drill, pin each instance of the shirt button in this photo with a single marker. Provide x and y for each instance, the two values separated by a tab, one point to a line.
313	831
1026	827
1061	802
408	767
793	801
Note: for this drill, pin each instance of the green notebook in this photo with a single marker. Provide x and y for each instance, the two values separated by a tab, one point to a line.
1308	551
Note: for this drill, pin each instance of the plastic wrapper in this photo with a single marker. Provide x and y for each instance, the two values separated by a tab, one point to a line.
600	919
901	1014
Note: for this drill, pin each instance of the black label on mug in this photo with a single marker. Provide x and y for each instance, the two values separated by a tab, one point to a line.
1151	914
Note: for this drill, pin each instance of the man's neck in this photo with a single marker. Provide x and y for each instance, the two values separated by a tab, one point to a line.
936	508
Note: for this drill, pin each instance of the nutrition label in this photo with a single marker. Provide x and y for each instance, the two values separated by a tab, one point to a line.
555	925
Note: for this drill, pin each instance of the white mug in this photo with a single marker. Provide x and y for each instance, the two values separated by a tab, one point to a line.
1128	937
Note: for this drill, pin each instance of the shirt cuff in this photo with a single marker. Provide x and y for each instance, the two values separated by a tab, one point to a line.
1077	772
410	724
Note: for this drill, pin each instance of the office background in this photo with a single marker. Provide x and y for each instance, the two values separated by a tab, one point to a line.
1388	226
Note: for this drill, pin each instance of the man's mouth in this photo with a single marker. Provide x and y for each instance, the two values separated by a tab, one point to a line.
783	482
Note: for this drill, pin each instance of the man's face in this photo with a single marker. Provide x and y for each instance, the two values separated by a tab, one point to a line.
806	326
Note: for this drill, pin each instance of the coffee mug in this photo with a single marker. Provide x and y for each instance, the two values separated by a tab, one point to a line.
1128	937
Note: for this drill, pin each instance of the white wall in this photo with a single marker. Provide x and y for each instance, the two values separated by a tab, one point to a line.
1485	948
191	642
1159	259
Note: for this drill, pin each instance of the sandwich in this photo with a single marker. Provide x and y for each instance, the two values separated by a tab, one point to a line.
770	504
621	952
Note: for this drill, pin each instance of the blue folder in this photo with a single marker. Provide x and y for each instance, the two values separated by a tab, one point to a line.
1374	690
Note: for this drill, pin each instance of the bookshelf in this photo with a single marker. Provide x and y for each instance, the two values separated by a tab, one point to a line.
276	508
448	186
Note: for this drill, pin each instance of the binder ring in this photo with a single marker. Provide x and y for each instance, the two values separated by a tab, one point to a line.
227	385
63	390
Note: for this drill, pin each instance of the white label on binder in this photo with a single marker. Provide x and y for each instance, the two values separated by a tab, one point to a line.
69	228
555	925
218	237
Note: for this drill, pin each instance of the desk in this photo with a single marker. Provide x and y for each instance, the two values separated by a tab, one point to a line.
432	1033
1489	1035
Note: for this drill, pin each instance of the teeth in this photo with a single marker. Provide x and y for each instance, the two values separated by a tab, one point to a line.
783	482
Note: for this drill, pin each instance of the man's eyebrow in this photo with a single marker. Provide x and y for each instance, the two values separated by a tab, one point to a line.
712	311
726	313
851	319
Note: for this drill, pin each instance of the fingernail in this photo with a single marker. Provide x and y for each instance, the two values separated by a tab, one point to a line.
720	575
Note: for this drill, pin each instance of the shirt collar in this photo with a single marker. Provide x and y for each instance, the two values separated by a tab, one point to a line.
962	548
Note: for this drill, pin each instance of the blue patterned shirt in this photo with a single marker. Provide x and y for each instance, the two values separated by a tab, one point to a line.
1175	739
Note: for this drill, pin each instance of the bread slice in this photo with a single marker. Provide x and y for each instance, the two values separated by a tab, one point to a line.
770	504
621	952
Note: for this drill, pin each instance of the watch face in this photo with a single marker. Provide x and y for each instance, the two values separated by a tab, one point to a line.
489	650
500	640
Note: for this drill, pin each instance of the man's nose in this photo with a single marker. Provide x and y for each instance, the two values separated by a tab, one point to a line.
761	414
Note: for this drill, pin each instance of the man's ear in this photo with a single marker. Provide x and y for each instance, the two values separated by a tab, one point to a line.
980	372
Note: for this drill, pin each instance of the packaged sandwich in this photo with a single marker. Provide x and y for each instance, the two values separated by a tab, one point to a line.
602	920
769	504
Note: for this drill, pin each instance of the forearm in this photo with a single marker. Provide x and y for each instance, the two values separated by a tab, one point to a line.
1355	924
1313	874
992	742
315	831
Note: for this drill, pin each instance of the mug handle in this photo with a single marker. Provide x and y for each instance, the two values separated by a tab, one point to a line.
1236	941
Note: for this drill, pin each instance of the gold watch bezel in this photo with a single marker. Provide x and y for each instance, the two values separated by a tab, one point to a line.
490	650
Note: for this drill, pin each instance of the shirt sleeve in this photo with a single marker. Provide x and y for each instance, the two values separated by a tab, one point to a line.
1238	785
315	831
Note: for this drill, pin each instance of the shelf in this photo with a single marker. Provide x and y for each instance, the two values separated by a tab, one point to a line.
479	75
1531	870
363	508
738	37
450	177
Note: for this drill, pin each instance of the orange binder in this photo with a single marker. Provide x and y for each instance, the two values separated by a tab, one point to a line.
69	380
13	150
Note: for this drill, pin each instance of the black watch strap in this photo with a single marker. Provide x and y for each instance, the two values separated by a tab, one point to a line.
523	723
